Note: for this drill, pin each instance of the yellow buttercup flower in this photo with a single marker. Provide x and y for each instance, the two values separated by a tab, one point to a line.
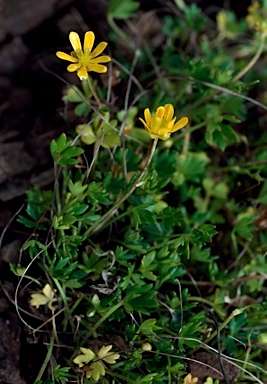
163	123
96	368
85	60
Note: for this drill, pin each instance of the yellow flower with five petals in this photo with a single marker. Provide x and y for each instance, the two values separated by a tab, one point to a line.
162	124
96	368
84	59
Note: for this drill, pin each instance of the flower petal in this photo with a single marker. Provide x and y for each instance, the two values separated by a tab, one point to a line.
160	112
155	124
170	124
89	39
75	41
97	68
65	56
73	67
180	124
100	59
82	73
169	111
99	49
147	116
145	124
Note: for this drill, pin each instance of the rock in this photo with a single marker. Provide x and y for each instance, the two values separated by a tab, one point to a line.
18	17
12	56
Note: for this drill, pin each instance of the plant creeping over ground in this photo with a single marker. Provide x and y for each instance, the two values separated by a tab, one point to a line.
146	259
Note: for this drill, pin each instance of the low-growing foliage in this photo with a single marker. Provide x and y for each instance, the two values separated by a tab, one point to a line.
151	244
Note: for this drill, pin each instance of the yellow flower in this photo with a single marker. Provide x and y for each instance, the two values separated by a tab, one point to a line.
97	367
85	60
47	297
163	123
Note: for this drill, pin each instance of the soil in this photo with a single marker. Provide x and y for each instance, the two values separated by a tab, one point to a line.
31	115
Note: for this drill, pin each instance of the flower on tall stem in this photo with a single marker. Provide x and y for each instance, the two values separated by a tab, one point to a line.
97	367
162	124
85	60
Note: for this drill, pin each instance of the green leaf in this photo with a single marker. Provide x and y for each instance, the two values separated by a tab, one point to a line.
79	209
142	216
140	297
203	234
82	109
73	95
63	152
27	222
231	118
34	247
170	217
147	265
17	269
61	374
122	9
96	193
148	327
76	188
219	140
244	227
228	132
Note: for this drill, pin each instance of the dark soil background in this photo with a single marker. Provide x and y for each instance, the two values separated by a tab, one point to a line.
31	110
31	115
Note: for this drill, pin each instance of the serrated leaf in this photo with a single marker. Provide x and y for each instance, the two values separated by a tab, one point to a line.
140	297
76	188
148	327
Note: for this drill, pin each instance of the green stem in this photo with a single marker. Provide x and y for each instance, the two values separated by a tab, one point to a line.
116	29
57	193
205	301
236	312
123	378
61	292
47	358
251	63
100	321
100	105
108	215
